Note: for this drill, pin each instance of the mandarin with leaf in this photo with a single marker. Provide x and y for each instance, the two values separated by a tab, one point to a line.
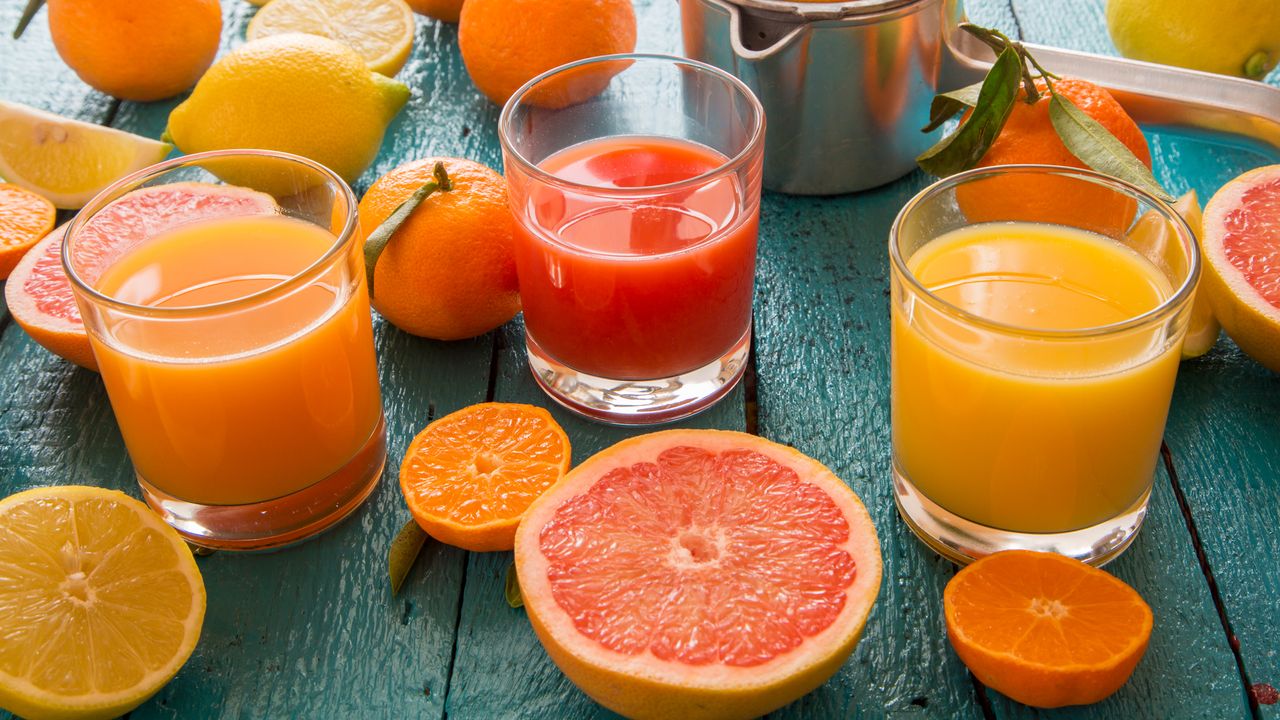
1029	137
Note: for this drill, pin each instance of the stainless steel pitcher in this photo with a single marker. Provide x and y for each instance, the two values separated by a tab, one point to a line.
846	85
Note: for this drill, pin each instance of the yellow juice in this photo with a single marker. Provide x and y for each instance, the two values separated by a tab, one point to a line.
1022	431
252	401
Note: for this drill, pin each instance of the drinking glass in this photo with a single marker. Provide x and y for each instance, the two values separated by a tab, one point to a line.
224	297
634	181
1014	436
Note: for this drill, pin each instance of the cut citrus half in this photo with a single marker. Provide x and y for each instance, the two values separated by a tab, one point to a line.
65	160
38	292
25	217
380	31
1241	248
1153	238
698	574
101	605
469	476
1044	629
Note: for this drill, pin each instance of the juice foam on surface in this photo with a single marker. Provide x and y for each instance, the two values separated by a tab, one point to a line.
1031	433
238	404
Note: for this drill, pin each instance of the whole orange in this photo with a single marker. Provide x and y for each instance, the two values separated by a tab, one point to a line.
1029	137
506	43
449	271
446	10
137	49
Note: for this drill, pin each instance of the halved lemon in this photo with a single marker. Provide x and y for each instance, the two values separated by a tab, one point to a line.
1152	237
380	31
65	160
100	606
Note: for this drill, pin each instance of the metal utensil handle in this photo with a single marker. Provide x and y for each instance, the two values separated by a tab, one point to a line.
1150	93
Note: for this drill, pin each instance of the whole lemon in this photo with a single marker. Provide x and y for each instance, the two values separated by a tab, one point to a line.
295	93
1229	37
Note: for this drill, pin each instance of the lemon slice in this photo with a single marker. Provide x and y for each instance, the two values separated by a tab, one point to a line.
100	606
68	161
380	31
1151	237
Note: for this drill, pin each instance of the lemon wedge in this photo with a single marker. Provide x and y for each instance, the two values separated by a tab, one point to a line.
65	160
100	606
1151	237
380	31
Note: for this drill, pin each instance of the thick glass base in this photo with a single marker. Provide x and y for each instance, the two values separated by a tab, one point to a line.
280	521
639	402
963	541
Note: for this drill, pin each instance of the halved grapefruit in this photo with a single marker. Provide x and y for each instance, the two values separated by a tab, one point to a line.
1241	247
698	574
38	292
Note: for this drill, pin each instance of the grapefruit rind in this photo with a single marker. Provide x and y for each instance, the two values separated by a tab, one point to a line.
1246	316
63	332
643	686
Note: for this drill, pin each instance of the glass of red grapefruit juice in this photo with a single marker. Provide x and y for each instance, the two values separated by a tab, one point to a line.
635	185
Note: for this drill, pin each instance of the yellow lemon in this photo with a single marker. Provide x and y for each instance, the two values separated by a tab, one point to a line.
100	606
68	161
1229	37
1153	237
295	93
380	30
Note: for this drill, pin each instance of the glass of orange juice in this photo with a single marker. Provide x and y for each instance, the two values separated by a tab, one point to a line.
225	300
1037	320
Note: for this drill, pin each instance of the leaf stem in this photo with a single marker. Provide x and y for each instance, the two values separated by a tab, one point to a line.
381	236
28	12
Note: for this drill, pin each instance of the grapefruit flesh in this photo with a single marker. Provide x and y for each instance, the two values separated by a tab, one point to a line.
38	291
698	574
1242	254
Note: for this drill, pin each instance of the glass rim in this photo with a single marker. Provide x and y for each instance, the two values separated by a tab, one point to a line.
137	179
753	146
1159	312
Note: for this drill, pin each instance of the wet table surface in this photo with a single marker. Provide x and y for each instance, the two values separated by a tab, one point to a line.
314	632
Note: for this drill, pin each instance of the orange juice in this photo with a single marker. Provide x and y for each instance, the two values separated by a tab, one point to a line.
254	402
1025	431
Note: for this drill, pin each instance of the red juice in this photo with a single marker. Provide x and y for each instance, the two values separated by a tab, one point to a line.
636	285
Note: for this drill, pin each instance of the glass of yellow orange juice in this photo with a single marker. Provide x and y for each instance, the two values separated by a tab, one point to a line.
1037	321
225	300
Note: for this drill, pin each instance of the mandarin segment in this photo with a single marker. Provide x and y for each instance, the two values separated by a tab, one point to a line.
1044	629
25	218
469	476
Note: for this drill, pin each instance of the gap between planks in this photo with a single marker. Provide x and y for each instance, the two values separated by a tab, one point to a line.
1232	641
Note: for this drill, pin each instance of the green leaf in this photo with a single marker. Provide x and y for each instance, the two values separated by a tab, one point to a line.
1096	147
404	552
946	105
512	588
378	239
28	12
963	148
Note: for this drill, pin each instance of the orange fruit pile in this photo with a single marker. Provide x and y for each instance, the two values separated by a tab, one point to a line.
449	272
502	54
469	476
1029	137
25	217
1044	629
137	49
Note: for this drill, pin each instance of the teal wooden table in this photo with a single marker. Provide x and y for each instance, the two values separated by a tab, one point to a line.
314	632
